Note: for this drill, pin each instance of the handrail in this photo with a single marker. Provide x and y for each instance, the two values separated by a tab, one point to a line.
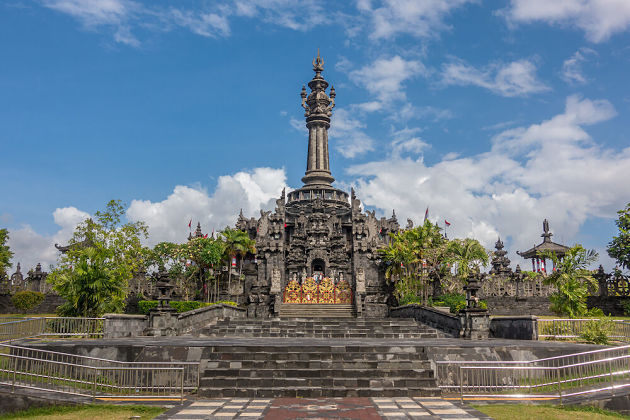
577	374
191	369
89	376
570	328
51	326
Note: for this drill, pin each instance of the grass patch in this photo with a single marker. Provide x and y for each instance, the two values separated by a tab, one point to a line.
82	412
547	412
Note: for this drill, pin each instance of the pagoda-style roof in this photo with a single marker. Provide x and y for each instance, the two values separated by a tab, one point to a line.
546	245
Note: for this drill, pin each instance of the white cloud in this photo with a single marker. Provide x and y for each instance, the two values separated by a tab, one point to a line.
566	178
167	219
250	191
572	66
121	17
517	78
204	24
96	13
295	15
599	19
31	247
422	19
384	78
348	135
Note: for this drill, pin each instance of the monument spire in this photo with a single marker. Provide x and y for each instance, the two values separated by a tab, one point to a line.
318	109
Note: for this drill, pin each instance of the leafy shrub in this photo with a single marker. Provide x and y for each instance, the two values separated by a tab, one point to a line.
595	313
227	302
408	298
145	306
626	307
455	301
27	300
597	331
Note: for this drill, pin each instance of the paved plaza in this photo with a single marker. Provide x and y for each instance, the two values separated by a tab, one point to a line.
324	408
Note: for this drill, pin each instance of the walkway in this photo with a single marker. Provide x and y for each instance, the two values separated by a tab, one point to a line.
326	408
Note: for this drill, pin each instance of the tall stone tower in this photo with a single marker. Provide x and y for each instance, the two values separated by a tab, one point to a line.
317	246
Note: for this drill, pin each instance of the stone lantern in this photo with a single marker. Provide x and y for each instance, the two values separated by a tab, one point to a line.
163	319
475	320
165	290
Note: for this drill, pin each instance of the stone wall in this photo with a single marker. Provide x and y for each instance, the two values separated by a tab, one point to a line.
199	318
510	305
612	305
523	327
123	325
443	321
48	306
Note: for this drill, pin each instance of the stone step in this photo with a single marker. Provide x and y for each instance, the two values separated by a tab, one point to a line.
317	392
261	383
294	364
267	372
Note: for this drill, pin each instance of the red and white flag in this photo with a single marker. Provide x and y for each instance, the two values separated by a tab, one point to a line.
446	222
426	214
189	223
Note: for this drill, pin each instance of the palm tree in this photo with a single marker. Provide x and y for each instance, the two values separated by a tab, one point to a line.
572	279
467	255
413	256
237	243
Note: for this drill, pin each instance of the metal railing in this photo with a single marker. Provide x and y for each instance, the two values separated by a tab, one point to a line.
26	367
560	376
51	327
572	328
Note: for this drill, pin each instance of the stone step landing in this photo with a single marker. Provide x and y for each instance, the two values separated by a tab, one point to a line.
317	371
398	328
320	310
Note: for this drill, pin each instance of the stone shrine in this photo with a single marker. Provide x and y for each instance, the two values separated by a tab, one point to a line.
318	246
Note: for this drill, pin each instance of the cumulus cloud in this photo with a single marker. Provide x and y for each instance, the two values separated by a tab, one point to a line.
348	135
384	78
599	19
424	19
517	78
31	247
167	219
250	191
572	66
566	177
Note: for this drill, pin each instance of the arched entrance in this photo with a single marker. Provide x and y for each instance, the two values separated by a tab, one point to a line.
318	268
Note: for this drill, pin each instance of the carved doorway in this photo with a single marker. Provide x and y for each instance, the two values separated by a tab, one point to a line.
318	268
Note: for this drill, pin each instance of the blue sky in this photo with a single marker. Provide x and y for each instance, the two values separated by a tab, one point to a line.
495	115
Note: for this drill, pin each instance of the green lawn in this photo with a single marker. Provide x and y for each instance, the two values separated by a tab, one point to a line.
100	412
547	412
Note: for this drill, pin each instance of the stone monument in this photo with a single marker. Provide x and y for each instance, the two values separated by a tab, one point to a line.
318	246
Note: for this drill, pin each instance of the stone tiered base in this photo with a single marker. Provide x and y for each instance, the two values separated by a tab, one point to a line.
319	310
320	328
332	357
317	371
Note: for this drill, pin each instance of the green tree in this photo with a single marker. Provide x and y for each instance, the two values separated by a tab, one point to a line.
467	255
237	243
619	247
204	256
414	257
572	279
5	253
104	253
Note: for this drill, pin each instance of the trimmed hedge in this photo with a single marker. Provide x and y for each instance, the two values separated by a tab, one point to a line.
27	300
145	306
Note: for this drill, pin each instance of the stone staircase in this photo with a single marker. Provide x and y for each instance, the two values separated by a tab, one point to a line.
321	310
393	328
313	371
